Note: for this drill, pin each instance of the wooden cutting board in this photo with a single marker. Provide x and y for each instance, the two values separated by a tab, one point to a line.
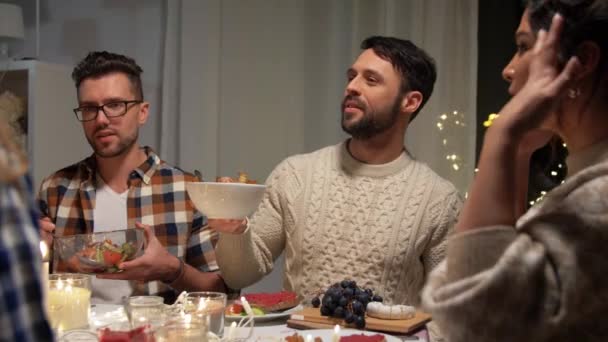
311	318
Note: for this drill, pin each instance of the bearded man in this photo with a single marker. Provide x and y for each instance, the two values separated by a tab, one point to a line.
363	209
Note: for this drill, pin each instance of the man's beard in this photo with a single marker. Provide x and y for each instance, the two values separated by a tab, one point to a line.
123	146
372	123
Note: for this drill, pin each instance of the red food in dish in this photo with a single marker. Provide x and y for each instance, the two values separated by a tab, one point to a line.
111	257
234	309
272	301
363	338
141	334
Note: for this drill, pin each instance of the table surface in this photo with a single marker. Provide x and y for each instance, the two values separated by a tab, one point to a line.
106	314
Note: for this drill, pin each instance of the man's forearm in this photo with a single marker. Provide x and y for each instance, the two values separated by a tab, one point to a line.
194	280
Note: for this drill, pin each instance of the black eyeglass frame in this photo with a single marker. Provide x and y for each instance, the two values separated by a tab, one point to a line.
102	107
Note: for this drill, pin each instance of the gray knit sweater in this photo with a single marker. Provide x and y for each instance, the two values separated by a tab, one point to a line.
544	280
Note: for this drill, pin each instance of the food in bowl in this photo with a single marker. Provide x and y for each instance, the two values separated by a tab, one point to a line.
363	338
100	252
218	200
299	338
141	334
242	178
108	253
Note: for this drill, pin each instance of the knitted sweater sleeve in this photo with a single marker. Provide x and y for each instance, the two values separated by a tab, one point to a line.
447	202
540	282
245	258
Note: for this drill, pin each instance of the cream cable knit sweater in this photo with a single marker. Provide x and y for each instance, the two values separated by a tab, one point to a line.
382	225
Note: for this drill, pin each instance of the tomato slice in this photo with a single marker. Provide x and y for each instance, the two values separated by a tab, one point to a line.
234	309
111	257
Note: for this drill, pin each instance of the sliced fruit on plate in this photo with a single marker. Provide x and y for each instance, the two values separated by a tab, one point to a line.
270	302
234	309
237	309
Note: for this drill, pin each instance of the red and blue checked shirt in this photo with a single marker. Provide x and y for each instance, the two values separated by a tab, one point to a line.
157	197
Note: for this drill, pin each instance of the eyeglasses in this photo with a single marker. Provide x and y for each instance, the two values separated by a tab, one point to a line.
110	109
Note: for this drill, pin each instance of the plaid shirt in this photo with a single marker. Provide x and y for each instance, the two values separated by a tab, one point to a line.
157	197
21	307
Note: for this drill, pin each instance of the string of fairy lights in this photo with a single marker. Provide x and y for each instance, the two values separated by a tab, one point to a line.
450	123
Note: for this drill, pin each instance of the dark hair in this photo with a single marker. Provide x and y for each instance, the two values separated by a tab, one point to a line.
100	63
416	67
585	20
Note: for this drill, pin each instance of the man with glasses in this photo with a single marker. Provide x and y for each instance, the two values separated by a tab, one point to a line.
122	186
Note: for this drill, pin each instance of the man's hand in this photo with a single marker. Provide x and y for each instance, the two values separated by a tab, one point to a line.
46	230
230	226
155	264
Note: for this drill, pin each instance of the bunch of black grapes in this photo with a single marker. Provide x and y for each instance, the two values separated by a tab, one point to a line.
347	301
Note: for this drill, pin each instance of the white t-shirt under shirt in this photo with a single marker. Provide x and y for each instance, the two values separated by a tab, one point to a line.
110	213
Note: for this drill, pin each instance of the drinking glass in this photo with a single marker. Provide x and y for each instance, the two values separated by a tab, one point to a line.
209	306
145	310
183	328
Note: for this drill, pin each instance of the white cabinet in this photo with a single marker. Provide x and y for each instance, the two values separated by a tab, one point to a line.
54	137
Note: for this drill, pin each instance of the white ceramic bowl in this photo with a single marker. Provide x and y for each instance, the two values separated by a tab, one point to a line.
225	200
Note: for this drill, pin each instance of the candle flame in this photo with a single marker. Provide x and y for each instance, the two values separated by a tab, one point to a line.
44	250
202	304
231	331
336	335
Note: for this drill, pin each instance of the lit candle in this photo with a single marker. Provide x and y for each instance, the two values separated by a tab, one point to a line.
68	304
246	306
336	334
44	275
202	305
231	331
309	338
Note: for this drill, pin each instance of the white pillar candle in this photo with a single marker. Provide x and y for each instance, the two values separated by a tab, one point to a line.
246	306
69	307
336	334
309	338
231	331
44	275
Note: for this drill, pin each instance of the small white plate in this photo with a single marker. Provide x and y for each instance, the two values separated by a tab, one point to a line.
267	317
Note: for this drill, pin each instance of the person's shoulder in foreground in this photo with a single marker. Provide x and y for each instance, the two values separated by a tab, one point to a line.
538	276
22	313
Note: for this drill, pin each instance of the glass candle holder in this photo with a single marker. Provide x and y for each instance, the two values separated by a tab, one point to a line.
145	310
69	301
209	306
183	328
